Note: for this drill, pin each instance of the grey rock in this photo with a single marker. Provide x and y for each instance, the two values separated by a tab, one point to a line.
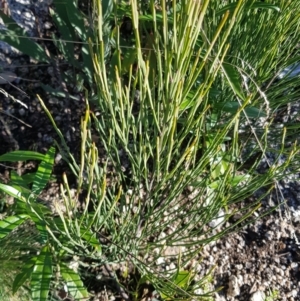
233	287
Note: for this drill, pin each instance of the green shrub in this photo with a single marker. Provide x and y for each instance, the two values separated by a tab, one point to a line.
163	161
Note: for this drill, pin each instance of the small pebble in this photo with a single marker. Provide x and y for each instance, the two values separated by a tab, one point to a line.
22	112
233	287
257	296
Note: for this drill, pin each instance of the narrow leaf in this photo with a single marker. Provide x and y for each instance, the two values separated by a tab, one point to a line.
262	5
25	274
91	239
107	8
253	112
77	20
238	179
16	37
28	178
10	223
40	224
231	7
234	79
182	278
41	275
74	283
128	59
12	191
15	179
233	107
58	93
19	155
66	44
44	171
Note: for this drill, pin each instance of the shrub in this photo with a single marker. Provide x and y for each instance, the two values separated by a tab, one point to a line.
164	162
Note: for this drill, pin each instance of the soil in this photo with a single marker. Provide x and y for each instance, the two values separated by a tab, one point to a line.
259	260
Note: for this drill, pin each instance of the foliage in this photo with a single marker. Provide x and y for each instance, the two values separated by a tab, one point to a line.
75	40
272	296
40	228
163	160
